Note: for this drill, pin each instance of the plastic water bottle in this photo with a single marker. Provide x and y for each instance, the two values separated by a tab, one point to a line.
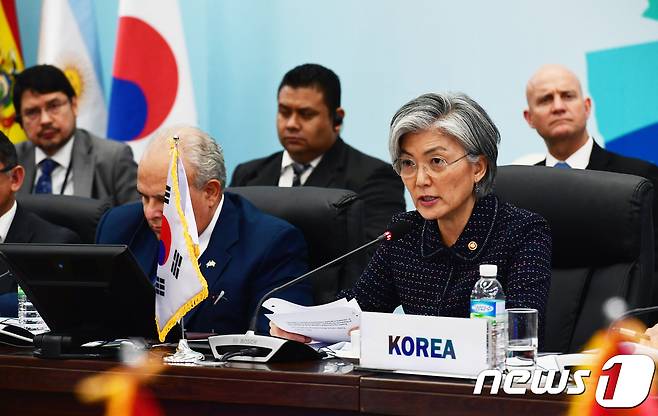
28	317
488	302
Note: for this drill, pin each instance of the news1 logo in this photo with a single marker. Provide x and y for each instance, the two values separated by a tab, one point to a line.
624	382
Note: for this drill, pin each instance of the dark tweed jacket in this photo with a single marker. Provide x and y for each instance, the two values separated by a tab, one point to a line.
427	278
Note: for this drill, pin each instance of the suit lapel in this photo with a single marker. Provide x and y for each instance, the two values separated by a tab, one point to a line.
83	165
332	162
269	173
19	231
28	162
598	159
217	256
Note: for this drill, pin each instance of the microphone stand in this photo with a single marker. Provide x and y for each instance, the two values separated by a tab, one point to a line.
261	348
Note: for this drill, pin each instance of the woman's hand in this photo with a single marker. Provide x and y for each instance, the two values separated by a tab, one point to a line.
275	331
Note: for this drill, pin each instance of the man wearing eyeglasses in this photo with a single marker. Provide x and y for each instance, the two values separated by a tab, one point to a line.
18	225
60	158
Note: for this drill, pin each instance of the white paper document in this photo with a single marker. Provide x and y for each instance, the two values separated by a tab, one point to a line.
330	322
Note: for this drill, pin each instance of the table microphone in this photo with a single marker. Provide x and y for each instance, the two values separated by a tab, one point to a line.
262	348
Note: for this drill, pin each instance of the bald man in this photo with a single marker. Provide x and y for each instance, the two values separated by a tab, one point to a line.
558	110
244	252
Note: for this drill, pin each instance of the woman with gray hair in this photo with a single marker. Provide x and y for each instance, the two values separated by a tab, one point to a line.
444	147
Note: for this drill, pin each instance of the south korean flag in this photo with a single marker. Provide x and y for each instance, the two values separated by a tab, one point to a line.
179	284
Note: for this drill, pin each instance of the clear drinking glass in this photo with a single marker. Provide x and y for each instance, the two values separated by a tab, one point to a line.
521	337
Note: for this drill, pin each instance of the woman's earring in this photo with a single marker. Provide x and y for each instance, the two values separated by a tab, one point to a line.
476	188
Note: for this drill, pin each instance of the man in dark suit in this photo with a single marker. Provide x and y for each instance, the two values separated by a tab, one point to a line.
558	110
60	158
309	119
18	225
244	252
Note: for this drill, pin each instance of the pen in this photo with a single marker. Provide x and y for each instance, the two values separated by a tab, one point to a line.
221	295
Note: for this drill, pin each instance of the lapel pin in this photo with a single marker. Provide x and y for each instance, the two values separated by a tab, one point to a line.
472	246
211	263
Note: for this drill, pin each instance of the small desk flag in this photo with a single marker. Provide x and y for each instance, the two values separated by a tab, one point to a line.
179	284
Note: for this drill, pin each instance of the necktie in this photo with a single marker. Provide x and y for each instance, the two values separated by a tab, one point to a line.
562	165
45	182
299	170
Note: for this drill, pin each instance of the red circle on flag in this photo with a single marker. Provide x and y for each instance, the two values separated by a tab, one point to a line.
145	80
165	241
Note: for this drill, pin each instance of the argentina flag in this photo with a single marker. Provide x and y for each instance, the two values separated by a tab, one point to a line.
68	40
179	284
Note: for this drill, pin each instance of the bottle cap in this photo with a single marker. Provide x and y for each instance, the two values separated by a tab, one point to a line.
488	270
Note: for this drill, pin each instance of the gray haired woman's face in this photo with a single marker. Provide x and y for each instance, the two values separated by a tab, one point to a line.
437	174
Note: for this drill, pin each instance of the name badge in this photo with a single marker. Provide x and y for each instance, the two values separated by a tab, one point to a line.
429	344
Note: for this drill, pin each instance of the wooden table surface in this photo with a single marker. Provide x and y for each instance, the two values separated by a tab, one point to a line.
34	386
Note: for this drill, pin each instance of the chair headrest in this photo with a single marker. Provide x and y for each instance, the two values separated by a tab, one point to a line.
73	212
596	217
320	213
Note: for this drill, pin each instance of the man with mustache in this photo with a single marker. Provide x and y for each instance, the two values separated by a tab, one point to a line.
308	121
60	158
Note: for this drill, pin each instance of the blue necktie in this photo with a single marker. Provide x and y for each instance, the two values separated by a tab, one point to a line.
562	165
45	182
299	170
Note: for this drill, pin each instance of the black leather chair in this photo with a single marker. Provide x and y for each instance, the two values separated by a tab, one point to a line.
601	223
73	212
332	223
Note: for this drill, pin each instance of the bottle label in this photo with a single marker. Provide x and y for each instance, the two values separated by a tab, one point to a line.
487	308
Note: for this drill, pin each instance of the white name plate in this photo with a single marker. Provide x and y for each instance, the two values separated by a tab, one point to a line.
450	346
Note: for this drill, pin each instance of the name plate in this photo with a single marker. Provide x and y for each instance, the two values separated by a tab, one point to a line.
429	344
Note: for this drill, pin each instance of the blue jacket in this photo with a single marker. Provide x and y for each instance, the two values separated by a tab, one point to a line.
252	253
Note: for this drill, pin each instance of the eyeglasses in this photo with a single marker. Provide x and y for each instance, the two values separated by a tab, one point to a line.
53	108
408	168
8	169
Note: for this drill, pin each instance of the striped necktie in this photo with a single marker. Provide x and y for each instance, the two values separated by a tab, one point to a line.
299	170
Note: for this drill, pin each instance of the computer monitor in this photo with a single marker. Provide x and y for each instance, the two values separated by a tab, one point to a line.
87	292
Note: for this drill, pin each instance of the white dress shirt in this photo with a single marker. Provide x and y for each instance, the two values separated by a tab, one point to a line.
578	160
5	222
287	174
204	238
58	175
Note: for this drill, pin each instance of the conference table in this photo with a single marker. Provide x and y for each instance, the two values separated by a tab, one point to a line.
35	386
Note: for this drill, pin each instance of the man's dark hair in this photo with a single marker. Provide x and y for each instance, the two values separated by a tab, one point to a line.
317	76
7	151
42	79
